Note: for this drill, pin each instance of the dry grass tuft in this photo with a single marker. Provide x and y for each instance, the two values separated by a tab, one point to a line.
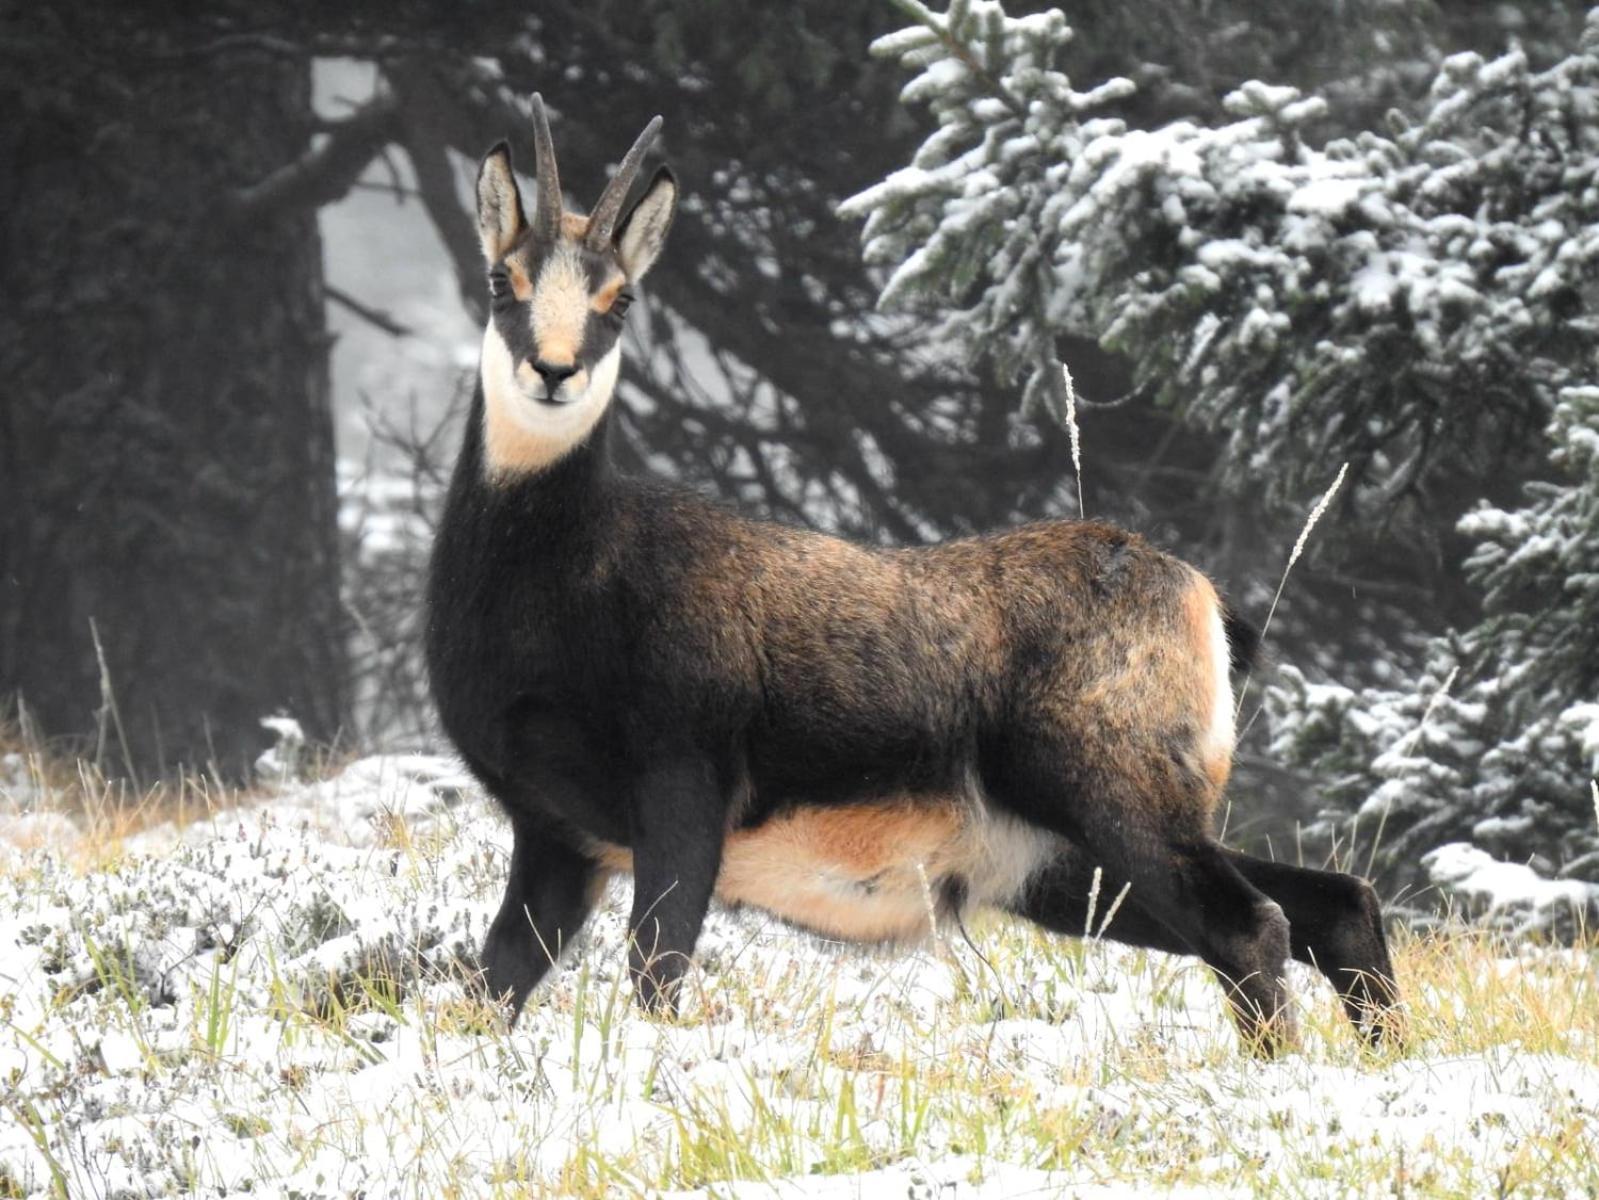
105	810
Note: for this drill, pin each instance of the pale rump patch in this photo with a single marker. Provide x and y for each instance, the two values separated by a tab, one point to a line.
1203	610
521	434
872	872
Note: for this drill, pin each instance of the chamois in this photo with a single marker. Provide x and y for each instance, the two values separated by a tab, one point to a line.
858	740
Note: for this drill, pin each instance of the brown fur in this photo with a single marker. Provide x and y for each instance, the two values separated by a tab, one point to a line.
510	447
857	739
606	296
1079	634
573	228
560	307
521	286
867	872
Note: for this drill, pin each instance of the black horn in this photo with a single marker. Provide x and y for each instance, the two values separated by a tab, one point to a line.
548	222
603	219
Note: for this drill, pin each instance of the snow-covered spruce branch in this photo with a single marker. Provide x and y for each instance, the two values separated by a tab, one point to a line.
1405	299
1504	759
975	209
1395	297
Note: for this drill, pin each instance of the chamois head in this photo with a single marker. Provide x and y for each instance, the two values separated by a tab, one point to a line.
559	289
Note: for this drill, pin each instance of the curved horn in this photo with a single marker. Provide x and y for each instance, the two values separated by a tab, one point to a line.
609	205
548	222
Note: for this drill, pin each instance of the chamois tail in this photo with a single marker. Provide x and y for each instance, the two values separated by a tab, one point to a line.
1243	640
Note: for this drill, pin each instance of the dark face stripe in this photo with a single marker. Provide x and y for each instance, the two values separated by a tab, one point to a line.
513	317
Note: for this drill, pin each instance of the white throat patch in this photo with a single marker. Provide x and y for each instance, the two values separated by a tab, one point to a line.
523	434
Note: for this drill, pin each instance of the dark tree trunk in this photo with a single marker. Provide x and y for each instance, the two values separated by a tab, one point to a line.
166	445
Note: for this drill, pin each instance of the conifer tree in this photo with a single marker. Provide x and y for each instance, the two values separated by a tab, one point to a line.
1416	300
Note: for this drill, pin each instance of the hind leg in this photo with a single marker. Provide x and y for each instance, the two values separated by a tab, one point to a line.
1239	931
1057	899
1147	819
1336	926
547	899
1193	903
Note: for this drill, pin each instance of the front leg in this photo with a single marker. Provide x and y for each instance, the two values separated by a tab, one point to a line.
547	899
678	822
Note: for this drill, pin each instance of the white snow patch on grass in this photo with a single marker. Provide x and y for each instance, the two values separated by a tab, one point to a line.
270	1002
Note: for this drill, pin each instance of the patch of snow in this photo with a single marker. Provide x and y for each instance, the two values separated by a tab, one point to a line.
198	1017
280	762
1511	889
1328	197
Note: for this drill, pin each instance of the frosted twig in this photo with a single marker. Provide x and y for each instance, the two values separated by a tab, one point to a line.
1293	557
1093	900
108	705
1437	698
1594	787
927	899
1076	437
1115	904
945	31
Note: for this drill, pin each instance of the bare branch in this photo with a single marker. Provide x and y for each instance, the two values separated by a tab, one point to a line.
317	45
424	106
398	192
324	173
250	43
372	316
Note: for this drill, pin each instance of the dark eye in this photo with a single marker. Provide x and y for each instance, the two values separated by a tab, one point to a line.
619	306
500	285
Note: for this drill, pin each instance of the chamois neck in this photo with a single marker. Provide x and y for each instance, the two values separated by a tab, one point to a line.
525	434
565	487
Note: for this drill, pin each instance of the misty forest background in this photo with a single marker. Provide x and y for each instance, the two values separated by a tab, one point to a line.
242	295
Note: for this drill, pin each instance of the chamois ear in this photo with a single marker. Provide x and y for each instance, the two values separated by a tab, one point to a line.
643	230
500	220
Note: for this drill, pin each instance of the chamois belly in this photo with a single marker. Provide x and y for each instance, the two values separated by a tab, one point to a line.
884	871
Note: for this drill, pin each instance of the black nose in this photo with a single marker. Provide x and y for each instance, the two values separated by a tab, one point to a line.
553	375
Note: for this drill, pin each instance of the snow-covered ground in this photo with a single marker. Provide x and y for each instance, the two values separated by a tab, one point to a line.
269	1002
